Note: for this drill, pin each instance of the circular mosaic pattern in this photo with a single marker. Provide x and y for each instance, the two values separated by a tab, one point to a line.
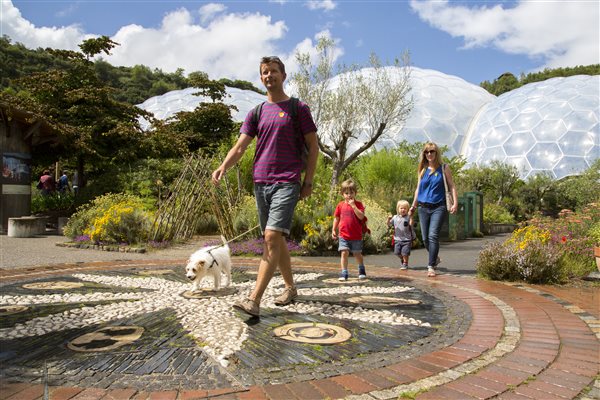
105	339
314	333
349	281
155	272
8	310
209	292
381	300
62	285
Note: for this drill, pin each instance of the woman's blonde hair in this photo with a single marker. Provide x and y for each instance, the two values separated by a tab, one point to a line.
348	184
423	163
400	204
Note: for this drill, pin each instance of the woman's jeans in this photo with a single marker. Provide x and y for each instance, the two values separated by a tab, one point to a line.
431	220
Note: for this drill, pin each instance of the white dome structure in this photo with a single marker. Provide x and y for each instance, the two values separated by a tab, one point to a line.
444	108
550	126
171	103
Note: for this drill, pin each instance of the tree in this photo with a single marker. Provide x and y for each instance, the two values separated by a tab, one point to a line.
356	112
92	127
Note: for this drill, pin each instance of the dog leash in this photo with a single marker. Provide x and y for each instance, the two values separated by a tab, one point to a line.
226	243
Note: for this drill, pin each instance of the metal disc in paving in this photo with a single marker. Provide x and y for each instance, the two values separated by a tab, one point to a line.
8	310
62	285
105	339
155	272
351	281
313	333
209	292
383	301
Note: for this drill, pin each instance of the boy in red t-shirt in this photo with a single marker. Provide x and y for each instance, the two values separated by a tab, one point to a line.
349	217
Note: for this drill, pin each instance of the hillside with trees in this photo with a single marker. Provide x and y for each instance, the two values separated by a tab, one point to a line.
132	85
507	81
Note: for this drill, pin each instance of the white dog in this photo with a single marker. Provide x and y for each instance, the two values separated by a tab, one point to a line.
211	260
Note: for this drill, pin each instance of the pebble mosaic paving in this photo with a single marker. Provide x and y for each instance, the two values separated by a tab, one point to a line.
161	336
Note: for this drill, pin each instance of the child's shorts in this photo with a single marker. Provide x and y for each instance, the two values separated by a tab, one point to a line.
402	248
355	246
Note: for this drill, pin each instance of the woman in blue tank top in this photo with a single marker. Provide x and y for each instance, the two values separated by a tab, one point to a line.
430	196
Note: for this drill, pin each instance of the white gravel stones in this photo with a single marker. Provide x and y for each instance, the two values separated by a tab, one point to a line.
211	321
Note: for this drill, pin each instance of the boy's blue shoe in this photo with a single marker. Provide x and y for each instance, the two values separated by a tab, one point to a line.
362	273
343	275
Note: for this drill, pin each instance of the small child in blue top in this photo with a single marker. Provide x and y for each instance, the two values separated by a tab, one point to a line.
404	233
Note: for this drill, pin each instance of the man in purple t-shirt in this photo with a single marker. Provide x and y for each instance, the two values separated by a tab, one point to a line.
277	174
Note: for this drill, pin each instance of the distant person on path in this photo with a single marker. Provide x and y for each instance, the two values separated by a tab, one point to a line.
63	183
404	233
277	173
46	183
430	196
349	219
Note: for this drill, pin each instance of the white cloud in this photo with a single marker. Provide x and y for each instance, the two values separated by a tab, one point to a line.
326	5
208	11
224	45
561	33
20	30
229	46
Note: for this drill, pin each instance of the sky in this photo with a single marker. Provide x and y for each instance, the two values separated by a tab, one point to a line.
474	40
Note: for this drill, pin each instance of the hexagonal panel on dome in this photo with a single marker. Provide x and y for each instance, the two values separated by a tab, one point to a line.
581	120
518	143
549	130
493	154
525	120
544	155
576	143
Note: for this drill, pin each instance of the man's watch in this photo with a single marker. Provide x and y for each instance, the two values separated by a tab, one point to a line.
309	184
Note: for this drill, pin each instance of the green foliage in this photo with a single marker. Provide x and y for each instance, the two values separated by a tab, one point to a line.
379	238
112	218
569	232
507	81
317	239
547	250
536	262
575	192
594	233
56	202
246	217
204	128
387	175
496	214
240	84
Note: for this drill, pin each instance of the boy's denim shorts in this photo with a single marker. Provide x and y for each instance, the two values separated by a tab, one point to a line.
276	203
355	246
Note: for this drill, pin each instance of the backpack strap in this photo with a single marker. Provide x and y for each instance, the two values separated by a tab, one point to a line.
256	115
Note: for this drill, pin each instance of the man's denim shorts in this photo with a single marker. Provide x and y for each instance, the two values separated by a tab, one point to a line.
276	203
355	246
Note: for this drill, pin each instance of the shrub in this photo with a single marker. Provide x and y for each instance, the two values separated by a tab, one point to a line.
112	218
496	214
526	257
246	217
380	237
570	232
318	236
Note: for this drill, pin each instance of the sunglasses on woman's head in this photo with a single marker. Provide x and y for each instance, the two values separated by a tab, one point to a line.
429	152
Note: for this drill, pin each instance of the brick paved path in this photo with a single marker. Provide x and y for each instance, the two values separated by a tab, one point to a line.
523	342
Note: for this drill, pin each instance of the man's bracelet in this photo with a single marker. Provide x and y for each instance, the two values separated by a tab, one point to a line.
309	184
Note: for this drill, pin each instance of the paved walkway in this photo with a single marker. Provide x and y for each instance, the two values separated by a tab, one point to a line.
505	341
